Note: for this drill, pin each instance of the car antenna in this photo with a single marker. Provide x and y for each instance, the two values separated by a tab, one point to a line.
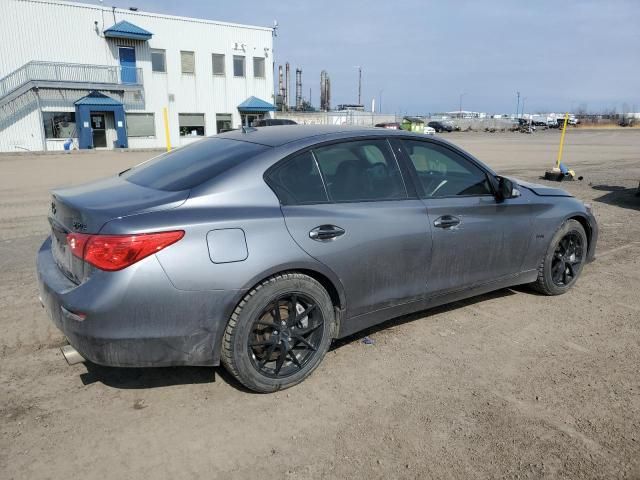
248	129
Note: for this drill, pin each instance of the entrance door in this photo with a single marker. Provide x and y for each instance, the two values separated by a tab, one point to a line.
127	64
99	130
249	118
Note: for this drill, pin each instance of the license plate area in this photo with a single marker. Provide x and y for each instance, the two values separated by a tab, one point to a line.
67	263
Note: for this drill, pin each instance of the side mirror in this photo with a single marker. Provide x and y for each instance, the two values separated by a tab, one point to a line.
506	189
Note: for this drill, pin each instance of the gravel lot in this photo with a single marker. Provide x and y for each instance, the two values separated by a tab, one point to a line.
506	385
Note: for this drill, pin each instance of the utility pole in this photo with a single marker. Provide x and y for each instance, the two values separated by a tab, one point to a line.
460	105
517	105
359	84
380	100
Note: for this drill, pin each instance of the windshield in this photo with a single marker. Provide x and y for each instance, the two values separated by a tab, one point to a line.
188	167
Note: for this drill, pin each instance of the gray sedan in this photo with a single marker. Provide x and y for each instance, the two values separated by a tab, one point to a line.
256	248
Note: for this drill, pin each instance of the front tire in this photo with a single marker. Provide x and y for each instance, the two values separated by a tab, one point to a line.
279	333
562	264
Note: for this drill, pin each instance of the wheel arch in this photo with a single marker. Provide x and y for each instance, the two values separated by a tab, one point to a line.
582	220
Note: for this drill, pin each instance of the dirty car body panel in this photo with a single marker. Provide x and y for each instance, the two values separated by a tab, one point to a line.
379	257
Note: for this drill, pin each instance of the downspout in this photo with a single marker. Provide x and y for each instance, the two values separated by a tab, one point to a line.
43	133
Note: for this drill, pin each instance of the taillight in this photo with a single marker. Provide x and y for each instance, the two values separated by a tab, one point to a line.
115	252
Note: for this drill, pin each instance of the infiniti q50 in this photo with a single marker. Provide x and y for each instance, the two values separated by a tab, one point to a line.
256	248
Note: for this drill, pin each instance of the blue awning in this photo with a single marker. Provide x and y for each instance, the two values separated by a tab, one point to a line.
254	104
128	30
97	98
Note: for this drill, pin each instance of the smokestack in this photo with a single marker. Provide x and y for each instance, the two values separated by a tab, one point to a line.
298	89
328	94
287	86
280	87
323	90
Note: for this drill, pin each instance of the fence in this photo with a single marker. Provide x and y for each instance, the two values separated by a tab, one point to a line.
363	119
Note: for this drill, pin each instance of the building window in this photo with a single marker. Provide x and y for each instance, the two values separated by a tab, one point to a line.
191	124
59	124
258	67
188	62
158	61
238	66
141	125
223	122
218	64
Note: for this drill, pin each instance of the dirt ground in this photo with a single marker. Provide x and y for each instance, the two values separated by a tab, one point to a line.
506	385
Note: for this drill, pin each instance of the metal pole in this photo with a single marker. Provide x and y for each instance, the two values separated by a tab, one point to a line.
518	105
564	130
42	129
359	85
460	105
380	101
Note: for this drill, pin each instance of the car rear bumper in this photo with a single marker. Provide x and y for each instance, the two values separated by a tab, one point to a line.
134	317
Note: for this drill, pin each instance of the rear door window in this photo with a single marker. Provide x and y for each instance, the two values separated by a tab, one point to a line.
444	173
363	170
188	167
297	181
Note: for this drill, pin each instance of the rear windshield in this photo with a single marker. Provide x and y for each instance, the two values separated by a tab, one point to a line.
189	166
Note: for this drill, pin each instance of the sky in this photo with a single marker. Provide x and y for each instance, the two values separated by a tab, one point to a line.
429	56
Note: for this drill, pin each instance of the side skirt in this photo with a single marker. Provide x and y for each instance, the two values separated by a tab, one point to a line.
355	324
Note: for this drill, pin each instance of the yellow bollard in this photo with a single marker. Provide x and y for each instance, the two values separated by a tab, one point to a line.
564	130
165	115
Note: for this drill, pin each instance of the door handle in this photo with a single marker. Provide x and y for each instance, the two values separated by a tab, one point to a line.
446	221
325	233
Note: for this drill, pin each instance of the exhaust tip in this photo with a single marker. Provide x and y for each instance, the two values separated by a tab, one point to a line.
71	355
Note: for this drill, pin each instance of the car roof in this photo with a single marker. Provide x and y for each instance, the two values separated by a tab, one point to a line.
278	135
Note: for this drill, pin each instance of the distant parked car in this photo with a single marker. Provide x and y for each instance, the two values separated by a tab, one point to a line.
441	126
270	122
429	131
389	125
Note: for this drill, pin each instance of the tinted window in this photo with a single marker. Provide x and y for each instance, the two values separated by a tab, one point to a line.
218	64
361	170
298	181
192	165
238	66
444	172
158	61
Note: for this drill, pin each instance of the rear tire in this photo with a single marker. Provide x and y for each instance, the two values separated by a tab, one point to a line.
562	264
279	333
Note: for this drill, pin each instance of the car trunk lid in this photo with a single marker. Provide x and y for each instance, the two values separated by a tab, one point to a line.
86	208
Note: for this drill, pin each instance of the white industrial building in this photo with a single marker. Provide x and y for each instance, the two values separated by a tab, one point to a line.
103	76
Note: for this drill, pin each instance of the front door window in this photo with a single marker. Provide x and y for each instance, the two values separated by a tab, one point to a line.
99	130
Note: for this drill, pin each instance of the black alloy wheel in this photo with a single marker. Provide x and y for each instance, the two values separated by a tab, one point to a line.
564	259
286	335
279	332
567	259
